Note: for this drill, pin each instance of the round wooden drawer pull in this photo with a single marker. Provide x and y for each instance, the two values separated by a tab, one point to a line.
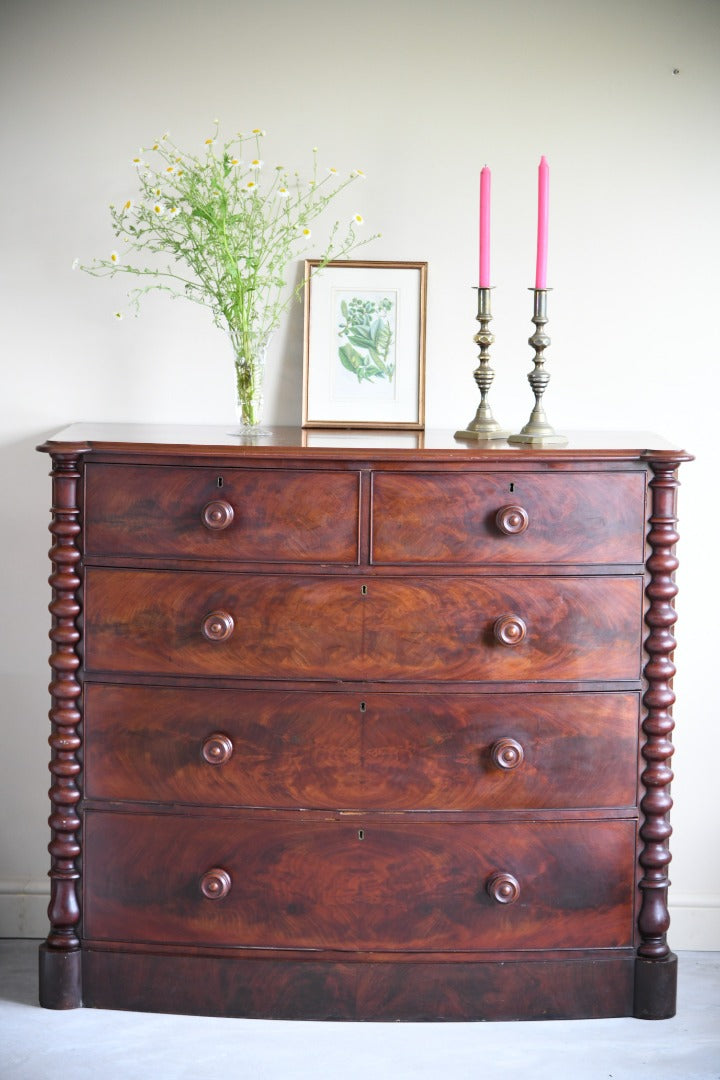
509	630
507	754
218	626
512	520
217	749
503	888
217	515
215	884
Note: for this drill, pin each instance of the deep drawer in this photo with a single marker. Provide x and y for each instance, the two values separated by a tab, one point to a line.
435	629
257	515
312	884
372	751
474	518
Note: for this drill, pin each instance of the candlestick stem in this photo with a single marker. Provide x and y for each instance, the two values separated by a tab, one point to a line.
483	426
537	431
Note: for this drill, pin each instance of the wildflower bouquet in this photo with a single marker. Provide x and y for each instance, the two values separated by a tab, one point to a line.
225	229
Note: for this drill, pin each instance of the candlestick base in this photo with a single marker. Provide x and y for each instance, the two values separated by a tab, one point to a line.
523	438
482	430
483	427
537	431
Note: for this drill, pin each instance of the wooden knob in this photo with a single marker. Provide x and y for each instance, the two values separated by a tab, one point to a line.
217	749
507	754
217	515
512	520
503	888
218	626
215	884
509	630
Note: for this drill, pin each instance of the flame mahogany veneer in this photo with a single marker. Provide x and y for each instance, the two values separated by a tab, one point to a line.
356	731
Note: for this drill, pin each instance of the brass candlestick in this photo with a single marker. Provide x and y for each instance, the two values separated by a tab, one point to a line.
484	426
537	431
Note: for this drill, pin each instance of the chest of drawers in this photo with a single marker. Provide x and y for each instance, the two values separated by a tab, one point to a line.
371	728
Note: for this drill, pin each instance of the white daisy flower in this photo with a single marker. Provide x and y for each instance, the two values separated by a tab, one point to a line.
209	142
251	185
127	206
114	257
137	162
357	219
173	211
258	131
359	173
306	232
235	162
256	164
283	192
170	169
332	170
159	209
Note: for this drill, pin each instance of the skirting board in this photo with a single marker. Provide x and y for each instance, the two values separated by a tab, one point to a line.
695	918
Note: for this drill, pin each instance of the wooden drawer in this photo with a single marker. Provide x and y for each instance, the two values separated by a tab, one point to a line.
351	750
563	518
304	883
435	629
257	515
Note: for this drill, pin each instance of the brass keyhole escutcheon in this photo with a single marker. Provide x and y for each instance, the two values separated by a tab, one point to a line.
363	590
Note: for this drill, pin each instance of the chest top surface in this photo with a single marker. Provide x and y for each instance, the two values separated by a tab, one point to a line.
172	440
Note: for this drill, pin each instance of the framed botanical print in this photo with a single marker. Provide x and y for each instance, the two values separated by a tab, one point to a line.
364	356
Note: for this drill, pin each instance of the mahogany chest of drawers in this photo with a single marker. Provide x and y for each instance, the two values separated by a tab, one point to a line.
360	727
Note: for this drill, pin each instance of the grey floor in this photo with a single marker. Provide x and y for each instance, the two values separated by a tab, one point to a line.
87	1044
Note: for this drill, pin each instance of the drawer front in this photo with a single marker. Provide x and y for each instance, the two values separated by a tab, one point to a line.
347	750
257	515
361	885
474	518
439	629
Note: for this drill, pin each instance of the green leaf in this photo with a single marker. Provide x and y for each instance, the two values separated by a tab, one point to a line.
350	359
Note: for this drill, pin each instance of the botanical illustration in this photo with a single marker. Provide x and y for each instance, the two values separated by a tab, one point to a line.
366	336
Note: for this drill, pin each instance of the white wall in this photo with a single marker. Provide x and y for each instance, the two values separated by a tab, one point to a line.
420	94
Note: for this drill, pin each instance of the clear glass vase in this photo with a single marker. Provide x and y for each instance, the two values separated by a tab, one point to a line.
250	355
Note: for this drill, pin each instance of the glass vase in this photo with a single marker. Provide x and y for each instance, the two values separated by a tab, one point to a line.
250	355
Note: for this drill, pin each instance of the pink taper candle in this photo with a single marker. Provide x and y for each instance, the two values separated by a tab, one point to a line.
542	233
484	281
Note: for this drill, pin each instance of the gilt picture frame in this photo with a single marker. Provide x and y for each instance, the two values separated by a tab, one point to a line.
364	345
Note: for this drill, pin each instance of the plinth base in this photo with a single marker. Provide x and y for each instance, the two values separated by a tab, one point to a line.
655	988
60	978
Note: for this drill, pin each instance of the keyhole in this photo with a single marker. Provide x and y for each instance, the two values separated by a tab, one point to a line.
363	590
361	834
219	481
512	487
363	706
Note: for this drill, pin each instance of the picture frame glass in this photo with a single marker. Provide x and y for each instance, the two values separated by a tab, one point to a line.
364	345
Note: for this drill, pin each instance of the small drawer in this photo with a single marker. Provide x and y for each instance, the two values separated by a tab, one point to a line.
439	628
493	518
243	515
328	750
303	883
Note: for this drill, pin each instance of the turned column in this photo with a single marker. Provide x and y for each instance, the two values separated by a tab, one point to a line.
656	966
60	970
